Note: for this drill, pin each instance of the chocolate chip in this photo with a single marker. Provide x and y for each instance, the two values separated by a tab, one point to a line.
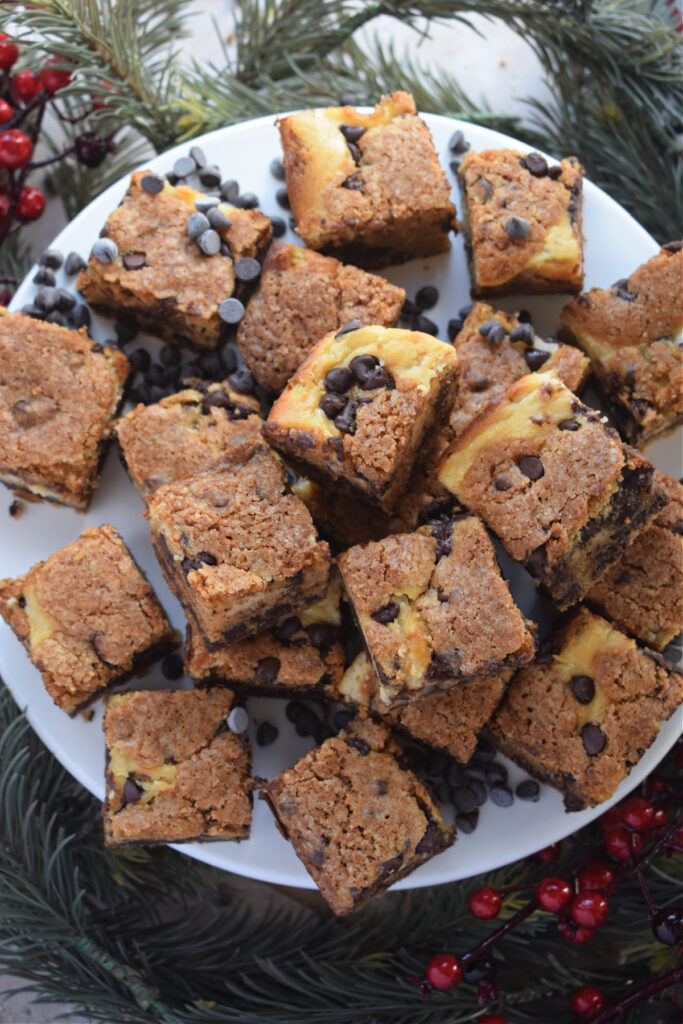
282	199
488	326
555	172
517	228
678	526
346	421
207	558
51	258
198	156
454	328
247	201
188	564
230	191
531	466
267	670
535	358
332	404
105	250
484	188
480	384
266	734
528	790
593	739
523	333
352	132
386	614
497	334
378	378
134	260
323	635
480	790
427	296
348	327
209	241
466	823
131	792
206	203
537	561
247	269
583	688
238	720
278	227
21	601
355	152
622	290
342	719
535	164
501	796
465	799
458	143
432	841
339	379
231	311
172	666
360	745
47	298
152	184
569	425
242	380
210	176
353	182
424	324
197	224
502	482
47	276
672	246
363	366
277	169
184	166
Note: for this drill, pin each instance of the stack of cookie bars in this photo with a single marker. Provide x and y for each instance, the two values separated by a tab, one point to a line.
386	463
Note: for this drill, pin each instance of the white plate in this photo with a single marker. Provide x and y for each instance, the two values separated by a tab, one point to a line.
615	245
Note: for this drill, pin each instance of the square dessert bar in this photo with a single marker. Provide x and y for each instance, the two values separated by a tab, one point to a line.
360	404
184	433
633	333
357	820
59	394
238	550
175	771
449	721
302	297
367	187
642	592
87	617
434	609
303	656
556	485
582	717
522	220
147	266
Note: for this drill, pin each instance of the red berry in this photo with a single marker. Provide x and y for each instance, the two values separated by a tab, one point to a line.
9	51
31	203
5	296
91	149
588	1002
486	993
53	79
622	844
654	785
610	818
6	111
659	817
26	85
589	909
549	853
444	971
553	894
491	1019
637	813
576	935
4	210
15	148
485	903
595	876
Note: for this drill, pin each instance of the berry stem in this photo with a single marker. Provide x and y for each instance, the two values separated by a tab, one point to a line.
638	866
497	935
51	159
651	989
22	112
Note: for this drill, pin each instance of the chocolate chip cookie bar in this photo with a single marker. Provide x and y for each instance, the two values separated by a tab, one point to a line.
59	394
553	482
449	721
434	609
633	333
184	433
238	550
642	592
175	771
522	221
303	656
302	297
359	406
357	820
367	187
87	617
581	717
151	265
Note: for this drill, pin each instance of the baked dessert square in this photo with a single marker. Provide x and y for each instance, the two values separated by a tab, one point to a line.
359	406
581	717
357	820
553	482
303	656
87	617
522	221
449	721
184	433
434	609
302	297
238	550
59	394
154	270
367	187
642	592
633	333
175	771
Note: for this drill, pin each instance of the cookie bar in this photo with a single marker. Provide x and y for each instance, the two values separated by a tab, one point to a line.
582	717
434	609
59	394
303	656
175	771
302	297
449	721
87	617
367	187
184	433
238	550
357	820
358	407
154	272
556	485
633	333
642	592
522	221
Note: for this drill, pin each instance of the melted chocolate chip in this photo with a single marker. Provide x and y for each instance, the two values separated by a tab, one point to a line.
353	182
131	792
286	630
583	688
537	561
339	379
346	421
622	290
484	190
386	614
207	558
569	425
361	367
432	841
672	246
360	745
267	670
535	358
348	327
323	635
593	739
172	666
332	405
531	466
517	228
379	377
502	482
352	132
242	380
134	260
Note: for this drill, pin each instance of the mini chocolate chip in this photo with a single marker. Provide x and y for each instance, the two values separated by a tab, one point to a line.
535	164
583	688
210	176
528	790
531	466
339	379
569	425
622	290
353	182
593	739
346	421
278	227
348	327
362	366
427	296
537	561
230	191
457	142
454	328
247	269
517	228
134	260
266	734
242	380
184	166
501	796
523	333
172	666
378	378
267	670
131	792
535	358
277	169
332	404
105	250
386	614
152	184
352	132
209	241
231	311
